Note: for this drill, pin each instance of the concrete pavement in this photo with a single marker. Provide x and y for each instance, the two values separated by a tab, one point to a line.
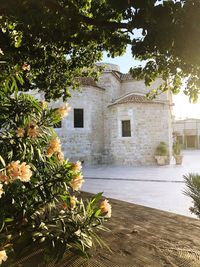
158	187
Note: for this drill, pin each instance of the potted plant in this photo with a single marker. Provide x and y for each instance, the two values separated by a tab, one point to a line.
161	153
177	153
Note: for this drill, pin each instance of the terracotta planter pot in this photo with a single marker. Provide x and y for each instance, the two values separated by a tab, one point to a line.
179	159
161	160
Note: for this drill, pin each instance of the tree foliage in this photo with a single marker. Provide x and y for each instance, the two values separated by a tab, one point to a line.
47	45
39	202
62	39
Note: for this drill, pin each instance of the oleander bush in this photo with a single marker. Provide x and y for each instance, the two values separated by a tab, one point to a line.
39	199
40	204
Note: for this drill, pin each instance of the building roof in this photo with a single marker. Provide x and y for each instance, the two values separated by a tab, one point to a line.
88	81
126	76
133	98
115	70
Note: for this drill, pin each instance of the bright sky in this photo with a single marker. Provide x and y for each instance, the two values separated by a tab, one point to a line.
182	108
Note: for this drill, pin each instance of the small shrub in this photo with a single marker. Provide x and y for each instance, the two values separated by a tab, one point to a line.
176	149
161	149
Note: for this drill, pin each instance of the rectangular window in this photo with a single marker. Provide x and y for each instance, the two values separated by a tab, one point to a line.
78	118
126	128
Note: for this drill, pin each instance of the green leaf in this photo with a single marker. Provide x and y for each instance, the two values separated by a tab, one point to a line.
96	198
8	220
2	161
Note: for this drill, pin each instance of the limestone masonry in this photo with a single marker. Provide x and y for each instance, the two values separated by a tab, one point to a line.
112	121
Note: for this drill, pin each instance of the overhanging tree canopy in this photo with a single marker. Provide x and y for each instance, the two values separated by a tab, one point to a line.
62	39
46	45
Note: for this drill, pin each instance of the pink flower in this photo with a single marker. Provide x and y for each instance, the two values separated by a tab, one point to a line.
76	166
55	145
49	152
3	256
13	169
26	67
60	156
3	177
22	171
77	182
63	111
105	207
20	132
26	173
33	131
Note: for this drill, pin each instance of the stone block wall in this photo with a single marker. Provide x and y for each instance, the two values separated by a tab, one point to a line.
100	140
149	125
85	144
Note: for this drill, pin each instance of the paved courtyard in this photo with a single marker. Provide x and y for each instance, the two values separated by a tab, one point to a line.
159	187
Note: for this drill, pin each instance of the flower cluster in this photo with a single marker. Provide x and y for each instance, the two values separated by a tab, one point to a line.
60	156
3	256
20	132
63	111
54	146
76	166
77	179
77	182
3	177
26	67
16	170
33	131
106	208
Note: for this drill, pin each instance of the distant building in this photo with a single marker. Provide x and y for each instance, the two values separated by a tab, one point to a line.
187	132
112	121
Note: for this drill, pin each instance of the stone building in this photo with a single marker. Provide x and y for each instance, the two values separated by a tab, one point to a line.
112	121
187	132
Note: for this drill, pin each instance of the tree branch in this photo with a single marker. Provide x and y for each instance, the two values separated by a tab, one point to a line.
55	6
